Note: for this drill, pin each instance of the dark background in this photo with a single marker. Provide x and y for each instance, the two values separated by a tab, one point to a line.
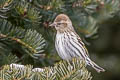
107	47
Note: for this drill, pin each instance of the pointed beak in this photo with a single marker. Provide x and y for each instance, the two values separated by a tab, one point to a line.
53	24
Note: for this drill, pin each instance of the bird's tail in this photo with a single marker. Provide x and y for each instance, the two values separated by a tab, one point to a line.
96	67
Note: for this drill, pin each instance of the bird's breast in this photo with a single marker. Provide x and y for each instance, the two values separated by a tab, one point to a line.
69	46
60	45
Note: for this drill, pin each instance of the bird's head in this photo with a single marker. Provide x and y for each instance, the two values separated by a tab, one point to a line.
62	22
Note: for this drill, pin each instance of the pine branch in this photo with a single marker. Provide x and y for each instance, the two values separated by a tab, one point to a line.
31	40
28	12
5	7
63	70
20	13
88	14
6	57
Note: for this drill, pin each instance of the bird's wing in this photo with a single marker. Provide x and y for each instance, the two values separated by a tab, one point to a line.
81	42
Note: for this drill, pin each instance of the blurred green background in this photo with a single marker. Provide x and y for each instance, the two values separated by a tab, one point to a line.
105	50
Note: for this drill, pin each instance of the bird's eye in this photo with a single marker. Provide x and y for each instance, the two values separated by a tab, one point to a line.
58	23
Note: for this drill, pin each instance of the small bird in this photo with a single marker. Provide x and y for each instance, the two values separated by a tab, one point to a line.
68	43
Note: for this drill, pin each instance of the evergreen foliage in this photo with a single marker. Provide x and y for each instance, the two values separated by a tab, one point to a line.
63	70
26	38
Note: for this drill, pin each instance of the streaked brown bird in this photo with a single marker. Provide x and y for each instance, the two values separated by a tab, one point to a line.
68	43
